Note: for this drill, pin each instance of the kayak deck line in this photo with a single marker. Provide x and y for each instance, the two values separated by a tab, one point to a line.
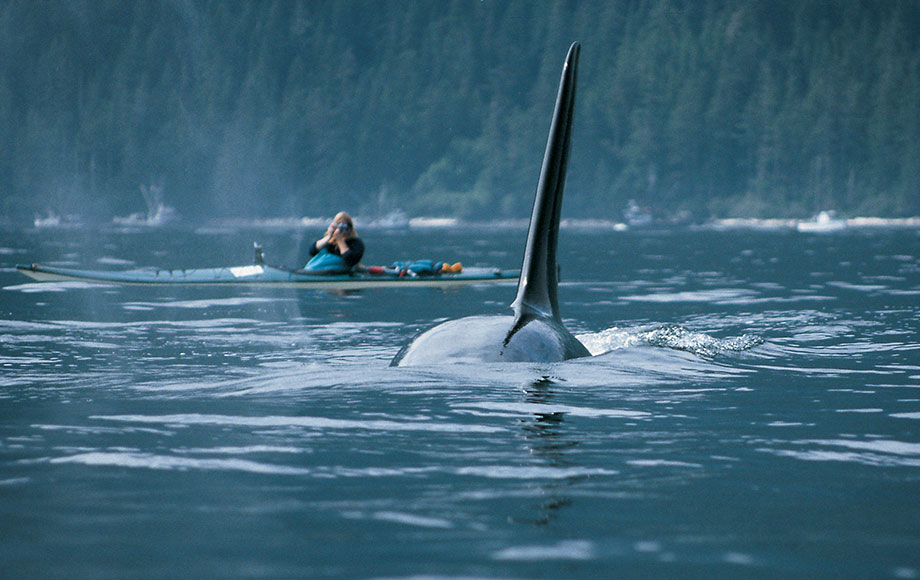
265	275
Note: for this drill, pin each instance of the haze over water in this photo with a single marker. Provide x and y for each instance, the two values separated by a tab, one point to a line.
753	412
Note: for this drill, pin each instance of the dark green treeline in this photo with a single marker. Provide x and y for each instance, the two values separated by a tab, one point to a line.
282	107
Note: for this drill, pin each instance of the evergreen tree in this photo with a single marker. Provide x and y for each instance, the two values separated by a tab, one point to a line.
285	106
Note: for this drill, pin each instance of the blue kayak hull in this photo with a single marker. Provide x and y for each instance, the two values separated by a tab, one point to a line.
264	275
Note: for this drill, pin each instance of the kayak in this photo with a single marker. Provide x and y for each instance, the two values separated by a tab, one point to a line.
266	275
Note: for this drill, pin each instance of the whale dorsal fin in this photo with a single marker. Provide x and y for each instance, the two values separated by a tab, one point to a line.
536	294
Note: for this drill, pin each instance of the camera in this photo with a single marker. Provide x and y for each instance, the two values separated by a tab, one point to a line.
342	228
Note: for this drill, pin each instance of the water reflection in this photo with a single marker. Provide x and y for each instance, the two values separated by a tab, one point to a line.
546	440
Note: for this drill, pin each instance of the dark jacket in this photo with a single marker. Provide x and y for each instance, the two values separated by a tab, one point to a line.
351	257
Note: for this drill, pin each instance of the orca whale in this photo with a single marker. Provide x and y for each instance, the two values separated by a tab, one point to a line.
535	332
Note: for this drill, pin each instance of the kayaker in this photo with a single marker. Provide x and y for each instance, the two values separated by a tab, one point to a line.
339	250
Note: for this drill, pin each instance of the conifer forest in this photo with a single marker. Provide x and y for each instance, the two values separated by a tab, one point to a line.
754	108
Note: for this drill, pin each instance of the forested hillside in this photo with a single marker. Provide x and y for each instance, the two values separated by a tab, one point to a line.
283	107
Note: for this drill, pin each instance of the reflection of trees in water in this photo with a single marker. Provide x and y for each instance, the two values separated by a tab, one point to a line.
545	439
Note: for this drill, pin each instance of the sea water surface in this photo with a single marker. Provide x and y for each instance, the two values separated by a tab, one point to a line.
752	411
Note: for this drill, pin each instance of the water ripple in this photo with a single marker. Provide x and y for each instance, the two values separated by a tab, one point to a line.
879	452
308	422
564	550
169	462
530	409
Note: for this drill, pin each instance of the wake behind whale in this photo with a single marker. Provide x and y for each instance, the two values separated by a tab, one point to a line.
535	332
